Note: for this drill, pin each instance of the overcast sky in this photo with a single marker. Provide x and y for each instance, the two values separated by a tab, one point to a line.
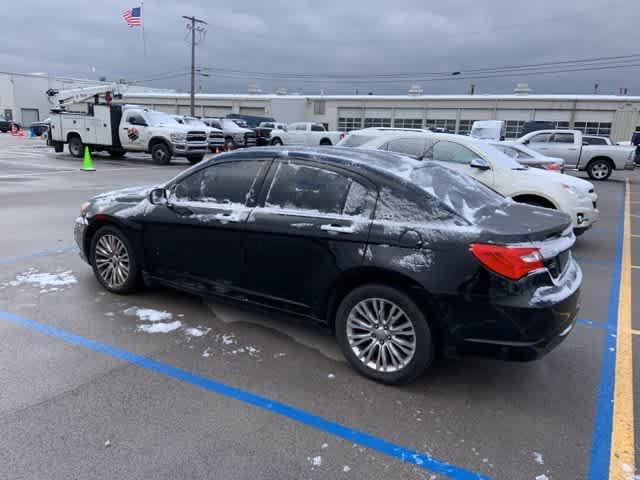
90	39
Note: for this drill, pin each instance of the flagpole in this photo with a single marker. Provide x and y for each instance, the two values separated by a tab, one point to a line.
144	40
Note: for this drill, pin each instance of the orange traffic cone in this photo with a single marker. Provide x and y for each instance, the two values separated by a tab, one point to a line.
217	150
14	129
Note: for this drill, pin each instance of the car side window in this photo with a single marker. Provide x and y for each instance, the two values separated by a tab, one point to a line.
540	138
302	187
562	138
136	119
451	152
301	127
394	206
317	128
414	147
225	183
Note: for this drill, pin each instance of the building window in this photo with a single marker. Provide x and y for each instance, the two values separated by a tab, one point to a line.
448	126
346	124
602	129
407	123
377	122
562	125
319	107
513	128
465	127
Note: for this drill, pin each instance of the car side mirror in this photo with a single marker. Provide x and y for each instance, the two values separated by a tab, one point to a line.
526	142
480	164
158	196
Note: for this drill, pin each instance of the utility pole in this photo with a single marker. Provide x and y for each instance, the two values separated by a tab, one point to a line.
194	25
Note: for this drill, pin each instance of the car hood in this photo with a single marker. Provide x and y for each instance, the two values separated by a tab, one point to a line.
517	222
549	176
125	195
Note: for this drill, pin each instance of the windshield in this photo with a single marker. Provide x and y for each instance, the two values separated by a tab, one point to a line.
461	193
195	122
159	118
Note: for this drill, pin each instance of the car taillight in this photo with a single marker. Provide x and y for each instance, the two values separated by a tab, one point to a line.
510	262
552	166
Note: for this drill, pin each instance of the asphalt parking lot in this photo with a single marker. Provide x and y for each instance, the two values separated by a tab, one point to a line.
165	385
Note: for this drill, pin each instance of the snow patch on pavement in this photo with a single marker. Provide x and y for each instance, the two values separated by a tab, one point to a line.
47	282
148	314
159	327
537	457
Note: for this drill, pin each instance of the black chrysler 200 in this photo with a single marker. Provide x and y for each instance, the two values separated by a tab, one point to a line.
400	258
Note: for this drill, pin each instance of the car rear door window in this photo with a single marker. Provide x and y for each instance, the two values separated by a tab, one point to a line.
317	128
309	188
540	138
451	152
562	138
414	147
225	183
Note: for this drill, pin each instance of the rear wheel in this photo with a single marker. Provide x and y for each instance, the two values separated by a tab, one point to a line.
229	144
75	147
384	334
599	169
113	260
160	154
276	141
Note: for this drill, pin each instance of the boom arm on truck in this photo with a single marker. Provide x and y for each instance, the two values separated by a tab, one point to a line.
60	99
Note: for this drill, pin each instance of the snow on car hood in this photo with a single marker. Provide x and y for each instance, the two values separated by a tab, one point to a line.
130	194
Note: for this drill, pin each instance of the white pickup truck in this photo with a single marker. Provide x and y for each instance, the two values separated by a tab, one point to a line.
305	133
599	161
119	129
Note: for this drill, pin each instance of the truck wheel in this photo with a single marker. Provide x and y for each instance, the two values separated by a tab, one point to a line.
75	147
599	169
117	153
160	154
193	159
276	141
229	144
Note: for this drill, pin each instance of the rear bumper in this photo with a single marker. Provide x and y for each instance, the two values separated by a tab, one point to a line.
521	328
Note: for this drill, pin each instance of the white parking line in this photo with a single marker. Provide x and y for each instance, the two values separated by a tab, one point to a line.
18	175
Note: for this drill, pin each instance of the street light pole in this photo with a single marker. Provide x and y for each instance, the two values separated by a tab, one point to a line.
195	25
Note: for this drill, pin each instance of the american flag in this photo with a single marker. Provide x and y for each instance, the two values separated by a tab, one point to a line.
133	16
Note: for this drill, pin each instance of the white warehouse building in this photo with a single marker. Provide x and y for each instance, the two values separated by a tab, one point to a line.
605	115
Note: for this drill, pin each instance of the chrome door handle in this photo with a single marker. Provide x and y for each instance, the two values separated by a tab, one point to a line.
226	217
337	228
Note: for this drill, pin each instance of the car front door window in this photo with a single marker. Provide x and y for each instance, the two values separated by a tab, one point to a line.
452	152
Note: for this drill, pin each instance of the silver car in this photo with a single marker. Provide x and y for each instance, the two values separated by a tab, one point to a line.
529	157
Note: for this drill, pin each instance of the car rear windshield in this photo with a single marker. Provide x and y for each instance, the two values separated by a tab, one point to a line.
461	193
355	140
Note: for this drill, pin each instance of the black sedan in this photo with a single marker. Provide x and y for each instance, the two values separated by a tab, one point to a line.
402	259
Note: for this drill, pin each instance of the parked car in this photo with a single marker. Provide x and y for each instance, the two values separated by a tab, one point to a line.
573	196
305	133
5	125
235	136
254	122
400	258
40	128
264	129
215	137
599	161
529	157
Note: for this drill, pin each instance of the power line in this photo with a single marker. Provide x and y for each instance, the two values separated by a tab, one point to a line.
196	26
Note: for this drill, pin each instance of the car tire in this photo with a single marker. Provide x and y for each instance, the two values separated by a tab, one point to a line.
113	260
193	159
599	169
229	144
276	142
160	154
378	353
76	147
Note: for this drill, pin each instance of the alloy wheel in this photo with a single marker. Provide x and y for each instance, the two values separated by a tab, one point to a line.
381	335
600	170
112	260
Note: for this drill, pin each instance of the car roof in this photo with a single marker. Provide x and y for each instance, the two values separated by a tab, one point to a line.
364	162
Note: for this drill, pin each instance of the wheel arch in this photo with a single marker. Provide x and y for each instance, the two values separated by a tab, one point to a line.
537	198
326	141
352	279
157	139
73	134
607	159
133	234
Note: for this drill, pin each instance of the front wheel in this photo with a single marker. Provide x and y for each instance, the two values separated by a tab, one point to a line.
599	169
113	260
276	141
160	154
75	147
384	334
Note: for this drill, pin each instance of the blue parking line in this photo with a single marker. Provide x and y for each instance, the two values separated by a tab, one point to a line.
380	445
41	253
590	323
603	418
